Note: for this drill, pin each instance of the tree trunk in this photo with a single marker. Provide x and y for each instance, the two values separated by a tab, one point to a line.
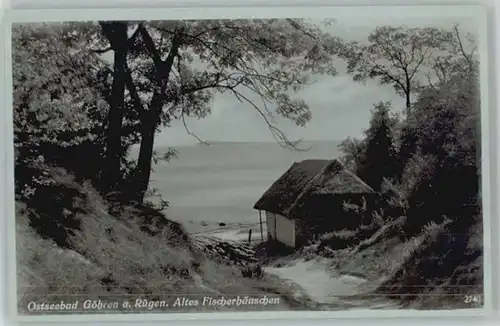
116	33
151	118
408	91
144	162
408	102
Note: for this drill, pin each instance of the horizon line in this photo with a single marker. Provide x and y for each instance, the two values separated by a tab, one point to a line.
215	142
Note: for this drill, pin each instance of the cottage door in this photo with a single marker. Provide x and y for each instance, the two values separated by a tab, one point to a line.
275	236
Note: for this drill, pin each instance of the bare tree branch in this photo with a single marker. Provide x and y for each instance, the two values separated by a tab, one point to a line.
277	134
189	132
460	44
102	51
150	46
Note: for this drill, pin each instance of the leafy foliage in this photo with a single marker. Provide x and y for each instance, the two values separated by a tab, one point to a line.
446	121
433	153
378	160
374	157
269	59
397	56
58	111
54	88
352	151
177	66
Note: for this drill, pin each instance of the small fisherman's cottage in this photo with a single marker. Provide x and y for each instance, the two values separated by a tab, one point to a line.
309	199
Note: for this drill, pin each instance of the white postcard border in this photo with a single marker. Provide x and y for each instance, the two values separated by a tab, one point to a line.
368	12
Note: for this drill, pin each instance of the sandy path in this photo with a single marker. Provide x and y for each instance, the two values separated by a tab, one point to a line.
327	289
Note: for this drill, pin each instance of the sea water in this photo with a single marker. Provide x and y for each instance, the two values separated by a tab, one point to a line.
209	186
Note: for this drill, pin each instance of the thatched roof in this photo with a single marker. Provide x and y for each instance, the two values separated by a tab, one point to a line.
283	192
310	178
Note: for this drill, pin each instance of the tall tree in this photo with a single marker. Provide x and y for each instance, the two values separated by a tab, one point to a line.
459	58
116	34
352	150
396	56
58	107
442	177
261	62
378	160
447	73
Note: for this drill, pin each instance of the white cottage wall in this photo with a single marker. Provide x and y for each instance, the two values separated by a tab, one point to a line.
281	228
271	224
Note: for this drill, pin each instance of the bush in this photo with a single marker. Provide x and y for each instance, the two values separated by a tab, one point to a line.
343	239
442	263
58	109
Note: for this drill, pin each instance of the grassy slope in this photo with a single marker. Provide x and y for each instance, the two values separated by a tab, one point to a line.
114	257
443	271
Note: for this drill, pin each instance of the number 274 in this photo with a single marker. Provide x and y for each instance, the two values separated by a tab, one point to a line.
474	299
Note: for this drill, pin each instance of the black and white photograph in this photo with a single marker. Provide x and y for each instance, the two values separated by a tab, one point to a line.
248	164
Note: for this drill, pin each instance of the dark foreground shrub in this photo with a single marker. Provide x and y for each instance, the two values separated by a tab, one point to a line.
448	257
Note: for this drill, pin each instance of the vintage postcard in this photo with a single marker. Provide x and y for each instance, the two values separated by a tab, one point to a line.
298	161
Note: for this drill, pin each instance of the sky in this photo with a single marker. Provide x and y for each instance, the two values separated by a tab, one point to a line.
340	107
